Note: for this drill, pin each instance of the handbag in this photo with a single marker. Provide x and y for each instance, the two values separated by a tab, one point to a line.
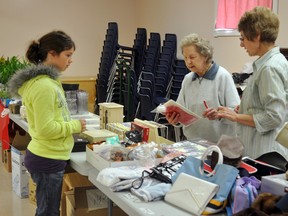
223	175
185	195
243	194
270	163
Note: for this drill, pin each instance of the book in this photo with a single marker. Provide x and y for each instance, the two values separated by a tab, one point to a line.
143	130
187	117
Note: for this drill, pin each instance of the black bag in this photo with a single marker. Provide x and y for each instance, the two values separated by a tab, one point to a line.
268	164
162	172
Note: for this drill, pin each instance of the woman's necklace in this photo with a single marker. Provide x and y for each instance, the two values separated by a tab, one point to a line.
201	77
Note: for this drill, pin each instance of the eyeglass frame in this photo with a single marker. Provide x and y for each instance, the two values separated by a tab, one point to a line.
158	170
141	179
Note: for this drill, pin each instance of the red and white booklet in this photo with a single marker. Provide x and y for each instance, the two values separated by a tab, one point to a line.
187	117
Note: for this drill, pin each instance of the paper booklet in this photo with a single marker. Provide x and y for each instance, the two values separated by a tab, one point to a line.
187	117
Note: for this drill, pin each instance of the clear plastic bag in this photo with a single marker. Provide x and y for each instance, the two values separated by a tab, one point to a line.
145	154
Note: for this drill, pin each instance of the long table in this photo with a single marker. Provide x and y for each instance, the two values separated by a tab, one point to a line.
78	159
19	121
128	202
134	206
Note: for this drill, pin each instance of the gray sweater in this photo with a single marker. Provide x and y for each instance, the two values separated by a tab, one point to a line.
217	88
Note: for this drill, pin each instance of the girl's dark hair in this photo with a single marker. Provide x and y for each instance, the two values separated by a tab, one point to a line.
58	41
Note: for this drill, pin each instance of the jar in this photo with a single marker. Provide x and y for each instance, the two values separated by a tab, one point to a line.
23	112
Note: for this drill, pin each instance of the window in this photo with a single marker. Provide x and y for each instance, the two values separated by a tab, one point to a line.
228	13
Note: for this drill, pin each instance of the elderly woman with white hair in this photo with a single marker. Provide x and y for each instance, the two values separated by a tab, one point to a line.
207	83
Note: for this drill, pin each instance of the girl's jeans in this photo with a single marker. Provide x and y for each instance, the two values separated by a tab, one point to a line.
48	193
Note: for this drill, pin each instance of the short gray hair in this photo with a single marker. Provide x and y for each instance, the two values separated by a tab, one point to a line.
202	45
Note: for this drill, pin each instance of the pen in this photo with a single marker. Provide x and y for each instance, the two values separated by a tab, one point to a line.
205	104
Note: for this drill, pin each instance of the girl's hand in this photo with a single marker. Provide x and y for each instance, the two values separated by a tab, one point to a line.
83	124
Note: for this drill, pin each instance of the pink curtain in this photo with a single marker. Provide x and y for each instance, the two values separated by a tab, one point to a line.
230	11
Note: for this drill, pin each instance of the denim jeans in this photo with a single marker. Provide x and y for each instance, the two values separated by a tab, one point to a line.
48	193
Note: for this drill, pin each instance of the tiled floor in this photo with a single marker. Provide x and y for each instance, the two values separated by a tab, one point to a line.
10	203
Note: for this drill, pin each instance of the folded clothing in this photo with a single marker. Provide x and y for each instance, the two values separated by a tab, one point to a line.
152	190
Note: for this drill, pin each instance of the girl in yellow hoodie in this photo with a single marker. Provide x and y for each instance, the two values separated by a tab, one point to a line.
50	124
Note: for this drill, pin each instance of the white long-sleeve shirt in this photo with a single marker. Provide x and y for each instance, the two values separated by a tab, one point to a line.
266	98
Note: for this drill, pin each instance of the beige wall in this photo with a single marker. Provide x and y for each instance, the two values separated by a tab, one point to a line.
86	21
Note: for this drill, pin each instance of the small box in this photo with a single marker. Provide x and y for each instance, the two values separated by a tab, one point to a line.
20	176
100	163
142	129
119	128
14	108
32	191
110	113
94	136
153	130
275	184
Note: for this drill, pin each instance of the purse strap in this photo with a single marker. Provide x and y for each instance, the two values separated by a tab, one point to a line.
209	150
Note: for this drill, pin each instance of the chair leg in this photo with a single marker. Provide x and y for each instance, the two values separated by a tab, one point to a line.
177	131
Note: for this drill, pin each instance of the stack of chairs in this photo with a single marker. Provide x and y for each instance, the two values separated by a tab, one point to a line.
117	80
122	87
106	64
156	74
123	60
152	52
163	72
140	44
140	77
179	70
146	80
284	51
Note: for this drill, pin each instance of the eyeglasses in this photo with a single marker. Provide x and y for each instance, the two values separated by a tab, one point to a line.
136	184
163	171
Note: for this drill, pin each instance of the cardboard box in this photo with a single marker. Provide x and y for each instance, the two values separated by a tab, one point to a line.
86	201
32	191
110	113
275	184
7	159
100	163
20	176
70	182
94	136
